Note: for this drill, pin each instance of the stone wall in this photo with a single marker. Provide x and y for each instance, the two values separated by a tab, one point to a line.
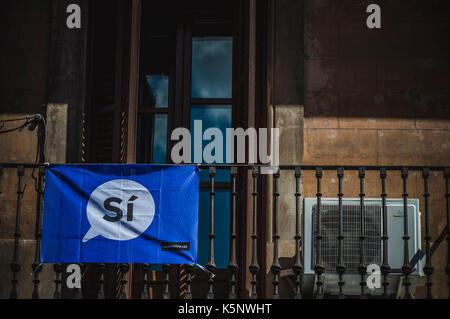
380	97
286	112
25	31
19	147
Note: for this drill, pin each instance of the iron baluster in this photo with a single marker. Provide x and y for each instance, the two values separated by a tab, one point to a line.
298	266
385	268
167	268
124	269
58	268
233	265
189	271
254	266
79	291
145	269
101	269
428	268
447	197
211	263
362	268
340	267
1	176
37	266
406	269
276	268
15	266
319	268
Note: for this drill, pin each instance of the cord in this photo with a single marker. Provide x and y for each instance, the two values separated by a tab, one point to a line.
32	122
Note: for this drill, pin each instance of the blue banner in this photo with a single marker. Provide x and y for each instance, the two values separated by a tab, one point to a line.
120	214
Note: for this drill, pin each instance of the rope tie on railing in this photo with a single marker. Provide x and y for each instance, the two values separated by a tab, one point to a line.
189	271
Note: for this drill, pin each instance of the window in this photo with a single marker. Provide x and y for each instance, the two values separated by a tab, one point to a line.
212	67
211	103
186	72
154	99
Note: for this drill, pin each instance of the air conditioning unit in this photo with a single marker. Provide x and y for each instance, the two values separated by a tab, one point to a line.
373	245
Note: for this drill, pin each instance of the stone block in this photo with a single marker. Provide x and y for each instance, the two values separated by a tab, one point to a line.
340	147
25	277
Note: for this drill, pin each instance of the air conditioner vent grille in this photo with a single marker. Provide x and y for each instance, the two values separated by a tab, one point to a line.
351	230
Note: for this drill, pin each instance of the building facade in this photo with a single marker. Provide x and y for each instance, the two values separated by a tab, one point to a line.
342	94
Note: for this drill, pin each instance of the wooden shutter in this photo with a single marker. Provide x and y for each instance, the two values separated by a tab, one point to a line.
109	91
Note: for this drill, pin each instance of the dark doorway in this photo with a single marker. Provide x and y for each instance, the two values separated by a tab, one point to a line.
194	62
186	72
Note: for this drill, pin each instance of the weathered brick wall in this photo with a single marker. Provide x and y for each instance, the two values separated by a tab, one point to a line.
380	97
24	30
19	147
24	26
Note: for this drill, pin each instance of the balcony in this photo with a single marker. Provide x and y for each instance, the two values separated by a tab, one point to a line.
341	220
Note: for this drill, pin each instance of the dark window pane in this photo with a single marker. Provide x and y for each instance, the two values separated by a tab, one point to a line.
158	86
144	130
212	116
218	116
155	69
160	139
152	126
212	67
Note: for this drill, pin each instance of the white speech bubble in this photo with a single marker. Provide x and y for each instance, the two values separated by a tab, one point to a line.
120	210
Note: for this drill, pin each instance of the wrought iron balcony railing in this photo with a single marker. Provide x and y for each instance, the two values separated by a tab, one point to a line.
335	241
